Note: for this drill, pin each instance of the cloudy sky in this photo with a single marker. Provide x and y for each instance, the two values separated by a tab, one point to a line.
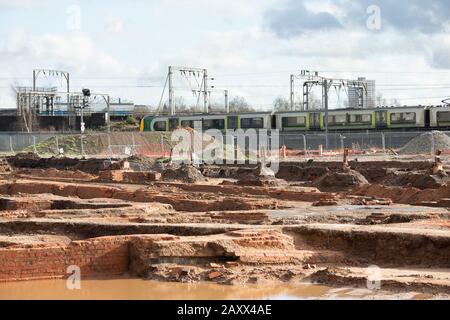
249	47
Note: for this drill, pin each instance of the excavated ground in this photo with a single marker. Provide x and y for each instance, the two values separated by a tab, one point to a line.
314	221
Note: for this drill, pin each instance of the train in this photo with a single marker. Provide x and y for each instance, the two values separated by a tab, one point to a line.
339	120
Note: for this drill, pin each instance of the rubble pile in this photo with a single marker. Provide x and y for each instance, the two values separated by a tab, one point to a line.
424	143
4	166
185	173
340	180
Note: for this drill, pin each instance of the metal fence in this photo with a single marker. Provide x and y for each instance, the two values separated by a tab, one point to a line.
159	144
358	141
91	144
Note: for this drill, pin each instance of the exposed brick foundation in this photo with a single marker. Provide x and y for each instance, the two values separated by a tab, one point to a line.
95	257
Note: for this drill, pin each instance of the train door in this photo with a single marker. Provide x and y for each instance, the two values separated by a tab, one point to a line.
233	122
427	118
381	119
314	121
173	124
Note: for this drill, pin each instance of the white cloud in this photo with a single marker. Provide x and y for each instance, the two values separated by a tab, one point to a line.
76	52
25	4
113	25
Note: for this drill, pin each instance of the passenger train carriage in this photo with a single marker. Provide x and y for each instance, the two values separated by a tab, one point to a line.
394	118
261	120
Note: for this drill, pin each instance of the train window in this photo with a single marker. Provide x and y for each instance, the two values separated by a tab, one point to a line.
337	119
409	116
160	126
290	122
213	124
360	118
252	123
443	116
233	122
187	123
380	116
173	124
403	117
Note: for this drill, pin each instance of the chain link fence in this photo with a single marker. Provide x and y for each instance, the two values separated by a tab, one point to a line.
159	144
121	144
357	141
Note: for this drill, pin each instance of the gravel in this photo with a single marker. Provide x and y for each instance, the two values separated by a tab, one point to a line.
423	144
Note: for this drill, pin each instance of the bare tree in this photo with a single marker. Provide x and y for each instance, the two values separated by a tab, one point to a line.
239	104
281	104
216	108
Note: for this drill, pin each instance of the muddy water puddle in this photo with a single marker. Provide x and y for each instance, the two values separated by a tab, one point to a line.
138	289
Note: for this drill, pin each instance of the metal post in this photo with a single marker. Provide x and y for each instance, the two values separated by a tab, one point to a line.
82	145
205	90
325	88
383	142
305	105
342	141
30	114
82	117
109	143
227	107
433	148
305	147
108	117
292	92
11	144
68	91
208	107
34	144
171	95
34	80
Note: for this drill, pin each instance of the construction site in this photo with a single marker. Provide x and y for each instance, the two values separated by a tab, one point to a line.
369	220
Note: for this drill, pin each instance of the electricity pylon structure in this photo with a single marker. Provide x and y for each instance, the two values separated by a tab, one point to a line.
312	78
32	101
197	79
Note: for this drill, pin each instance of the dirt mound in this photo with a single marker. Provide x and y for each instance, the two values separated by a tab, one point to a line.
32	161
185	173
142	163
419	180
23	156
424	143
300	173
340	180
259	176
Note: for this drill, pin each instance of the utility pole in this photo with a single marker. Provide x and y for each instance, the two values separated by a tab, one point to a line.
292	92
325	98
50	73
108	116
34	80
205	91
200	77
171	97
227	107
